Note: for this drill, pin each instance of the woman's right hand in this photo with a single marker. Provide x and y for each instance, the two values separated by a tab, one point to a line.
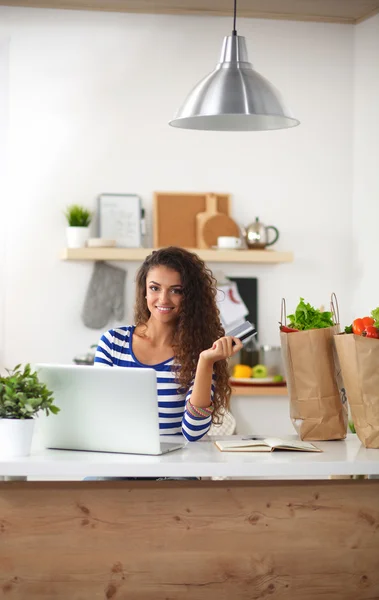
222	349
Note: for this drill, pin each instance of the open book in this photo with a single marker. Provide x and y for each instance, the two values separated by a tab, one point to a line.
264	445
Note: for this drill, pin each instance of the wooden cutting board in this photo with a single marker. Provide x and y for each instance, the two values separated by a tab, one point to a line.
174	216
211	224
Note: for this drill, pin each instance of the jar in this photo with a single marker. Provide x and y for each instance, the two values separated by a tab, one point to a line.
249	355
271	357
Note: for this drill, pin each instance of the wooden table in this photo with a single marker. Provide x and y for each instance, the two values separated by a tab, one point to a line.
192	540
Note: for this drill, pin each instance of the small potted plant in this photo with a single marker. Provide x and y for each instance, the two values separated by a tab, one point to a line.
22	396
78	219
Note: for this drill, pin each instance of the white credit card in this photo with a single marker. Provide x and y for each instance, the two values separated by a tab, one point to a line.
243	332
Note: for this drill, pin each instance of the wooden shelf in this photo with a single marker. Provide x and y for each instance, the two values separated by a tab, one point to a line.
254	390
139	254
334	11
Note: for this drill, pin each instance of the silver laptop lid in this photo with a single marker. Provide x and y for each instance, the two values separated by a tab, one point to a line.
105	409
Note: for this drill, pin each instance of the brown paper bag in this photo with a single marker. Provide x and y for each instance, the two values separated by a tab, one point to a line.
359	360
317	402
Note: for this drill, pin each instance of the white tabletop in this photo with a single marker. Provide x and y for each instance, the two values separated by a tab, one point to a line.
200	459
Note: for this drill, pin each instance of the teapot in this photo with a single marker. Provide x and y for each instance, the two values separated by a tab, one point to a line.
256	235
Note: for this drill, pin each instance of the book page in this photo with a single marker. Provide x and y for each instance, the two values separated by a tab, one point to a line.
291	445
242	445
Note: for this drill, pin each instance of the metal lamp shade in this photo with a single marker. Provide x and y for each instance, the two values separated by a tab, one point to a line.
234	97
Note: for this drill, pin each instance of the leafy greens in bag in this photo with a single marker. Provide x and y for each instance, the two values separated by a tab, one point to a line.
375	315
307	317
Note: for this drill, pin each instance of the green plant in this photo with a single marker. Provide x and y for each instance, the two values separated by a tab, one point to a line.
352	427
78	216
22	395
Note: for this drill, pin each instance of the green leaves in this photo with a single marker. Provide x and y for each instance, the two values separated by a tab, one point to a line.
78	216
375	315
22	395
307	317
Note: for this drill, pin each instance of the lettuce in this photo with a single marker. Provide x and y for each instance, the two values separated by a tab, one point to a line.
307	317
375	315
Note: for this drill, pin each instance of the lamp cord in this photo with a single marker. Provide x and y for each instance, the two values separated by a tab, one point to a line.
234	32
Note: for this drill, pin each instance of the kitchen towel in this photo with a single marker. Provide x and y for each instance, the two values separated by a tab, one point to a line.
105	296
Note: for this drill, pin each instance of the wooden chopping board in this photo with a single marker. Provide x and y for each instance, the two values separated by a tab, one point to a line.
211	224
174	216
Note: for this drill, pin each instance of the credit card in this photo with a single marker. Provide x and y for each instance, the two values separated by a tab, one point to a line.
243	332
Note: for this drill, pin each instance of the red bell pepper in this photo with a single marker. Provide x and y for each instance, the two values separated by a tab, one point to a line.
286	329
359	325
371	332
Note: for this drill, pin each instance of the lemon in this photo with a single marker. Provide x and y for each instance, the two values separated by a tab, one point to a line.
242	371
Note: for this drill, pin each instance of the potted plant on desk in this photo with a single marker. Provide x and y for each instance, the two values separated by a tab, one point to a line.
78	219
22	396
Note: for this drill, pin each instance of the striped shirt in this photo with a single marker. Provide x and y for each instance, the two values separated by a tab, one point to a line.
115	349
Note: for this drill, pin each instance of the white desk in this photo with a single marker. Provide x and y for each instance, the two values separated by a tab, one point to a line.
192	540
201	459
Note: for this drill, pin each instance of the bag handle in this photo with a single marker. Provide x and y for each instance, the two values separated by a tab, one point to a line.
283	313
334	308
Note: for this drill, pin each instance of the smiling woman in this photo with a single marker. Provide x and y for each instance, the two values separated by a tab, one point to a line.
178	333
164	292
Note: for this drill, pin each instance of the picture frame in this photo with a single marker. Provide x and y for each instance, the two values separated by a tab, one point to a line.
119	218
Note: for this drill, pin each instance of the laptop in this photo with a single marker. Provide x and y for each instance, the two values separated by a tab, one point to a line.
103	409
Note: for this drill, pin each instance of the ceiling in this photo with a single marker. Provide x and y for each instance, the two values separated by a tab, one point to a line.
331	11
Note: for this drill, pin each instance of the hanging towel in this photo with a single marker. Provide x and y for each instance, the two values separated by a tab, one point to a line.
105	296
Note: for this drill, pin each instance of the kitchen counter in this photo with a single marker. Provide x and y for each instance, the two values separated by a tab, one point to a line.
201	459
192	540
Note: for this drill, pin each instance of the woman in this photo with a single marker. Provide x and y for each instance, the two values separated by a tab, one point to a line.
178	333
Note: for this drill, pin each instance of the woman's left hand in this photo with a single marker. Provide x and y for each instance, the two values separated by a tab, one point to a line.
222	349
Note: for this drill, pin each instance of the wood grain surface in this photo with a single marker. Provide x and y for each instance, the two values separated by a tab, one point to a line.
211	224
203	217
190	540
174	216
333	11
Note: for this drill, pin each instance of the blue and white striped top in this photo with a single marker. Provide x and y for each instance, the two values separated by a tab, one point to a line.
115	349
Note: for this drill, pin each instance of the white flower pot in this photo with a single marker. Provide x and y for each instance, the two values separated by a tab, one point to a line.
15	437
77	236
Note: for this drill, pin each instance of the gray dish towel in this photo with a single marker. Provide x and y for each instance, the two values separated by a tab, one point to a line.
105	296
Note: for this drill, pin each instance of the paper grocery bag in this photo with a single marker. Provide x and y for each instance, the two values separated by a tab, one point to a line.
317	402
359	360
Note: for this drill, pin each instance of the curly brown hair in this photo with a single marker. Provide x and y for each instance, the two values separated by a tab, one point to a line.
199	324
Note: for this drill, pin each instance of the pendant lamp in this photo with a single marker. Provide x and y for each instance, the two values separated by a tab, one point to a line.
234	97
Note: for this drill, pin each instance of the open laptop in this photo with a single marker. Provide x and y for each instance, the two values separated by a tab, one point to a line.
103	410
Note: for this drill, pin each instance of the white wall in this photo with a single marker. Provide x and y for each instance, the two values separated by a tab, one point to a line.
91	95
364	280
4	127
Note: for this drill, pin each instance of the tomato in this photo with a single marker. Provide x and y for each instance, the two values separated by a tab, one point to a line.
286	329
372	332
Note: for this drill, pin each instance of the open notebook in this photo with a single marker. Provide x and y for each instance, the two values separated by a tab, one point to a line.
264	445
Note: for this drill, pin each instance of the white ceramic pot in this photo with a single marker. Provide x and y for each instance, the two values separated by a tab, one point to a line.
15	437
77	236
